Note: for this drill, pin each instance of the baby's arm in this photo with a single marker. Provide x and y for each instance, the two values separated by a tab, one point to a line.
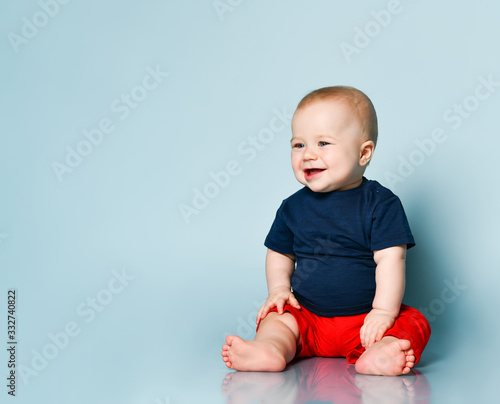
279	270
390	281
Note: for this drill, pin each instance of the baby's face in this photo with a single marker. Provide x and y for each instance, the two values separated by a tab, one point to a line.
327	146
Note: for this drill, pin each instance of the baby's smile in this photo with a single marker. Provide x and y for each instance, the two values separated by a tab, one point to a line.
310	173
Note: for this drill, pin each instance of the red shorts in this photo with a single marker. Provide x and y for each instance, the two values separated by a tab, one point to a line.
339	336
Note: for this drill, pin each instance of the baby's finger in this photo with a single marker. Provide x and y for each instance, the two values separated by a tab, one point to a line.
368	335
292	301
268	305
280	304
257	320
261	316
262	313
261	310
362	335
380	332
372	336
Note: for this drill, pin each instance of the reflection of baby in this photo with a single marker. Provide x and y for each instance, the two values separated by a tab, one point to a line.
335	264
324	380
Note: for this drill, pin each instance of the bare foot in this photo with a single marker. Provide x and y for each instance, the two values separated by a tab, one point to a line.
388	357
260	356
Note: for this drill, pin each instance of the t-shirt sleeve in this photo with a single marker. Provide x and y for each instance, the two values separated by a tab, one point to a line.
390	226
280	237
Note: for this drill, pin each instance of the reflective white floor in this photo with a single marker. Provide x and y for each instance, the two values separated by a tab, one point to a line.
333	380
324	380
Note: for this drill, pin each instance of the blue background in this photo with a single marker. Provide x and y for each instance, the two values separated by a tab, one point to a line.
222	73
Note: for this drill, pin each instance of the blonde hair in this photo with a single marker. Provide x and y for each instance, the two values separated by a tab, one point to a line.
358	100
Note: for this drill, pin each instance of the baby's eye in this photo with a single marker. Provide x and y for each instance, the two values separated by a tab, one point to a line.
323	143
297	146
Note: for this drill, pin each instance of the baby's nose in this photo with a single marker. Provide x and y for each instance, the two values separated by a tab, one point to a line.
310	154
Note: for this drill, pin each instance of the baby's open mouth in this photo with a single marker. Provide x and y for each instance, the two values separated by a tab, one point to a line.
312	172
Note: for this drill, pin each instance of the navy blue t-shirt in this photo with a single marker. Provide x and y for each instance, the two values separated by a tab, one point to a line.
333	236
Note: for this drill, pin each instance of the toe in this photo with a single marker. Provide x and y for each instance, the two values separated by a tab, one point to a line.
404	344
230	339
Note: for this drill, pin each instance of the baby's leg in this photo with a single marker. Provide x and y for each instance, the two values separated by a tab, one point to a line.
273	347
401	347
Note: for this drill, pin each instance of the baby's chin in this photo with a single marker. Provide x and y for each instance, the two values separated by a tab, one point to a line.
316	188
324	188
322	191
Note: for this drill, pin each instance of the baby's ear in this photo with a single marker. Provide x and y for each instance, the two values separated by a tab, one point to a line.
366	152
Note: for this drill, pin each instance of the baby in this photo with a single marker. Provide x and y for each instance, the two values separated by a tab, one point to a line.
335	263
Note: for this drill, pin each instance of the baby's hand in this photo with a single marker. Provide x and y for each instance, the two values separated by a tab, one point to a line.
278	297
376	324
